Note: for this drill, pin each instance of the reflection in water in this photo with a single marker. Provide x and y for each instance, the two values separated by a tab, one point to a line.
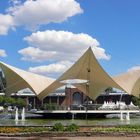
16	123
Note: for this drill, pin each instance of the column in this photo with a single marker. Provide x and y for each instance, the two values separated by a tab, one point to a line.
34	102
42	102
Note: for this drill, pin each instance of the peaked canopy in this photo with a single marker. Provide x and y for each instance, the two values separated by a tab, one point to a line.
130	82
17	79
86	68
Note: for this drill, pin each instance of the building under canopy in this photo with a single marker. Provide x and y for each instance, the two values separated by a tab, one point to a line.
17	79
130	81
86	68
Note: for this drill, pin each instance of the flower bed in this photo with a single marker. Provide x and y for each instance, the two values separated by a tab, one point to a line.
72	130
15	130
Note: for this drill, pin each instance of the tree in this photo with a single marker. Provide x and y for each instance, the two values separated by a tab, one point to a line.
1	100
9	101
136	101
109	90
20	103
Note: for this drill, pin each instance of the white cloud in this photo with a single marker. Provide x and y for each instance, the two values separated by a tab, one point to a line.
35	54
60	45
134	68
2	53
6	22
51	69
33	13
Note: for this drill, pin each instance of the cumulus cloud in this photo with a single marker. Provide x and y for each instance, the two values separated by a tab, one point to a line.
134	68
35	54
51	69
33	13
2	53
60	45
6	22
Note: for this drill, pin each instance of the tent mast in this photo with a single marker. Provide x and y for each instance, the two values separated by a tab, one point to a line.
88	81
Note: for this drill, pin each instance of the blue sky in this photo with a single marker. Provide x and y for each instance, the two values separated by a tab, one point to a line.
43	37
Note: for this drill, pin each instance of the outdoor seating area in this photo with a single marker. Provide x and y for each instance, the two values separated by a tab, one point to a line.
1	108
118	106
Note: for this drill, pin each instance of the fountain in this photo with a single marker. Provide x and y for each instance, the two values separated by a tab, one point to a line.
127	116
121	116
16	114
23	114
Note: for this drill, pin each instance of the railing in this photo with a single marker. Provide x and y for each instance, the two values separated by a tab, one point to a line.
88	107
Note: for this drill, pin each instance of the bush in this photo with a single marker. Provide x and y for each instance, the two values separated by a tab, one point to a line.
72	127
58	127
34	129
50	106
125	128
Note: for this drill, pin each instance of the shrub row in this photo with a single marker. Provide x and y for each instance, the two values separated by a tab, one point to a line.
57	127
126	128
60	127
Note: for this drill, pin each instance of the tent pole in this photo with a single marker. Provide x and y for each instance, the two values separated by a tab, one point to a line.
87	85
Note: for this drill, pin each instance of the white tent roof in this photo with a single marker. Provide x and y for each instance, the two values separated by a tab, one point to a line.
130	81
17	79
86	68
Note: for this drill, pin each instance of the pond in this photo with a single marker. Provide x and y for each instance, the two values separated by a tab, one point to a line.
8	120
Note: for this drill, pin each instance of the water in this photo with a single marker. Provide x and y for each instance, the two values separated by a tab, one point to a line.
50	122
18	119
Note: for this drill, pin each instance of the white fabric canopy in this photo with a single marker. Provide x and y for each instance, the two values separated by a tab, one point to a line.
130	81
86	68
17	79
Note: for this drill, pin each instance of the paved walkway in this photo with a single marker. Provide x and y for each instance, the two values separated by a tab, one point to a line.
70	138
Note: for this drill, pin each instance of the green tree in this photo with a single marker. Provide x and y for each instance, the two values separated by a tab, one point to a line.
136	101
9	101
109	90
1	100
20	103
